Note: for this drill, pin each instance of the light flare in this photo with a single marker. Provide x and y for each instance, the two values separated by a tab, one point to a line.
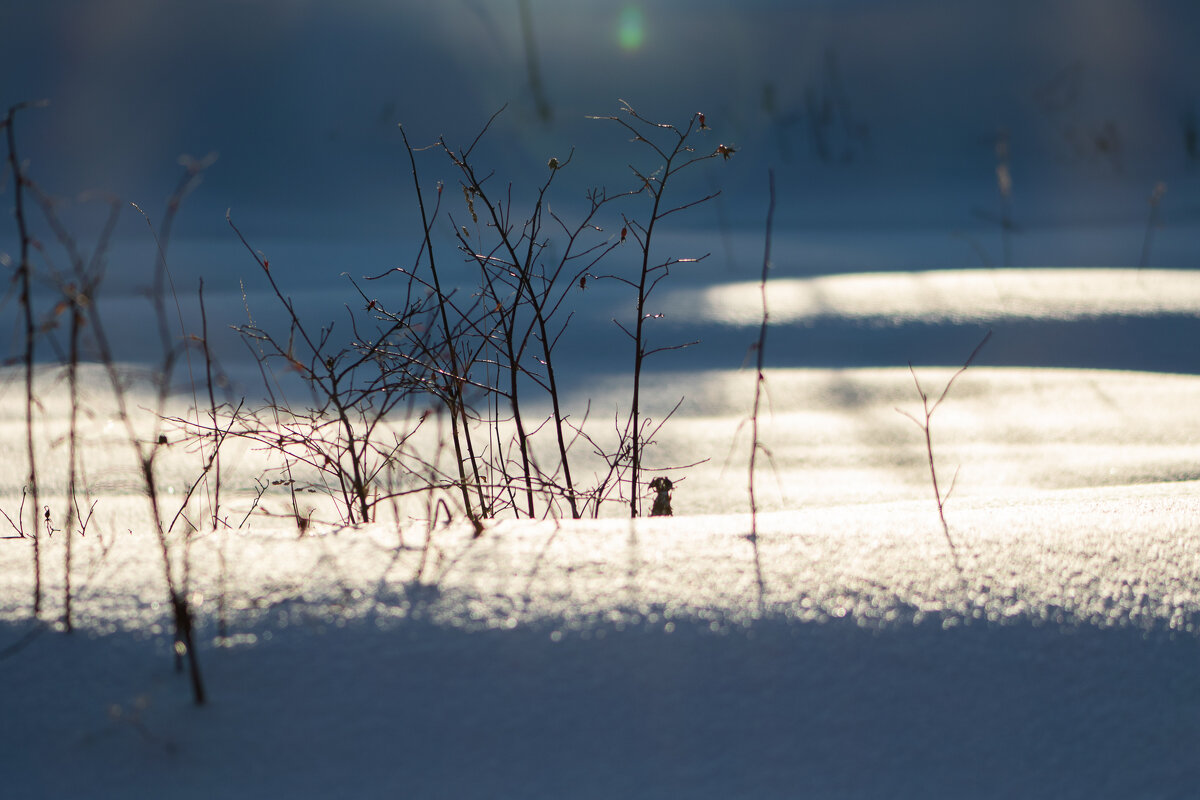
631	28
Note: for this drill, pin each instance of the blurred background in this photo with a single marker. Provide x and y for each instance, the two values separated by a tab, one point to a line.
903	134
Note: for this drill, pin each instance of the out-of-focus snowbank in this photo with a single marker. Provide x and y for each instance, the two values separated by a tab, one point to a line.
976	295
836	437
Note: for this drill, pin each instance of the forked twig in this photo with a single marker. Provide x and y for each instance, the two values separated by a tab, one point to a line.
925	426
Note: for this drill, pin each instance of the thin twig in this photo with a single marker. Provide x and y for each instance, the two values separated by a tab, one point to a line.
759	382
925	424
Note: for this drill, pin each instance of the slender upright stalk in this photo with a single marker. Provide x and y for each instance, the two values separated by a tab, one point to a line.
459	426
177	585
1156	197
760	378
1004	187
215	497
639	358
926	425
759	382
72	447
536	86
25	279
508	349
522	265
673	159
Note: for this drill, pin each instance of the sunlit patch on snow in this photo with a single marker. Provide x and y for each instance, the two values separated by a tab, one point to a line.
959	296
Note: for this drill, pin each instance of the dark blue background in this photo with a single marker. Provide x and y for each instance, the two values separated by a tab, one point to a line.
880	119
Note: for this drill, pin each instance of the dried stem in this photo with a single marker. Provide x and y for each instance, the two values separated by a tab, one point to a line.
676	156
25	279
925	424
759	384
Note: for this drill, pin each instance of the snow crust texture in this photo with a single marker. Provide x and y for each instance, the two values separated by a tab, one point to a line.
839	653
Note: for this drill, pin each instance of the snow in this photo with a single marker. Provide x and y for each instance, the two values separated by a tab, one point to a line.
840	654
1043	644
953	295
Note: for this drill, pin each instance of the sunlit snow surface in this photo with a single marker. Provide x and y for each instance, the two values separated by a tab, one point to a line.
842	654
953	296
